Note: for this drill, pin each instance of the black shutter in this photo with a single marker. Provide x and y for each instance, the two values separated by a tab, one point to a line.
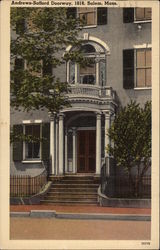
18	145
128	15
19	65
20	26
45	141
71	13
47	68
128	69
101	16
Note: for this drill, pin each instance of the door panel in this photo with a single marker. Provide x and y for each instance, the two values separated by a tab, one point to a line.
86	155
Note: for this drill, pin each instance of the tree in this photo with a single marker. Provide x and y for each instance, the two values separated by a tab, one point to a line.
131	137
40	44
42	37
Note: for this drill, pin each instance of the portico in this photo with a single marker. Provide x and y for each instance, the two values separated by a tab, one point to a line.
78	140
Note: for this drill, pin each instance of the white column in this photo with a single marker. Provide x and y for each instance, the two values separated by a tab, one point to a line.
107	142
57	147
98	143
61	142
52	142
74	150
97	71
76	73
107	126
66	151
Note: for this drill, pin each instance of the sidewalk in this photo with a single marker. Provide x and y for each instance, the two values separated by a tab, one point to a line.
80	212
81	209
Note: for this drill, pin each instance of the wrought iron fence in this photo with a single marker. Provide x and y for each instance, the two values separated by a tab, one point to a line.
25	185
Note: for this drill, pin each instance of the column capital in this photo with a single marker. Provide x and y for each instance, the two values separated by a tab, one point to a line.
98	115
107	114
97	59
52	115
74	130
61	116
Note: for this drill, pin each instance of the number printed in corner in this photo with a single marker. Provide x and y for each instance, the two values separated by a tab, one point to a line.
79	3
145	243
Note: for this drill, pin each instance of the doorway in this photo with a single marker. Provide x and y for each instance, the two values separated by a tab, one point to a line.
86	151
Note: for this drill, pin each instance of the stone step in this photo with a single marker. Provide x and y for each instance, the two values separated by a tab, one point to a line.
71	195
66	181
77	190
57	201
73	177
82	185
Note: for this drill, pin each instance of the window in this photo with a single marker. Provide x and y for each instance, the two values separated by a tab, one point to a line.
142	14
32	149
143	68
137	15
137	68
89	16
94	72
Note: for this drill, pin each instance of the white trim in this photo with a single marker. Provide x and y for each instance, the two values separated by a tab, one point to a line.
94	39
31	161
143	88
31	121
90	26
38	121
144	21
143	46
26	121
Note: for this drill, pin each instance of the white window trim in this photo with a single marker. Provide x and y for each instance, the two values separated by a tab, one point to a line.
25	122
143	46
141	21
137	47
143	88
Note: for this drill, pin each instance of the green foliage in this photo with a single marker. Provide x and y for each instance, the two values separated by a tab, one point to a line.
131	137
47	33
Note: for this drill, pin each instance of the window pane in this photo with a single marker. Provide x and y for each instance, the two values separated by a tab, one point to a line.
72	73
148	13
140	77
36	151
91	69
32	149
83	18
139	14
36	131
140	58
148	58
91	18
148	77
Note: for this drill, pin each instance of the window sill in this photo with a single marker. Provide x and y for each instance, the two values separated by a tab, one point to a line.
143	21
144	88
89	26
31	161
